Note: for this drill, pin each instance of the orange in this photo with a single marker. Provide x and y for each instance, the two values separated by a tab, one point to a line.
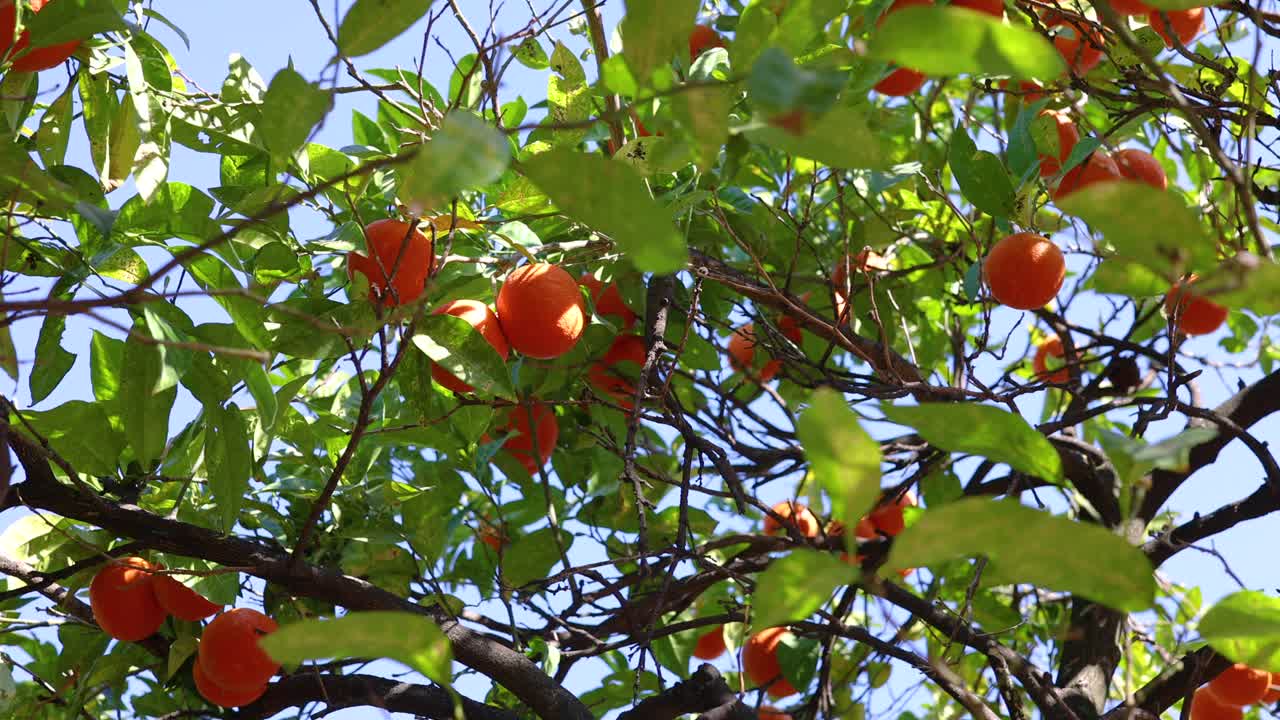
796	515
1206	706
541	311
1273	693
181	601
401	260
742	348
760	661
900	83
1195	315
887	519
221	696
867	260
33	59
1186	24
1076	40
229	650
1130	7
1097	168
1027	91
1067	137
480	317
1024	271
710	645
994	8
794	121
617	372
703	39
520	445
122	601
491	535
1051	347
606	298
1239	685
769	712
1141	166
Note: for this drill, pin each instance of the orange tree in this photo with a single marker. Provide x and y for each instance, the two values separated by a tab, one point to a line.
488	426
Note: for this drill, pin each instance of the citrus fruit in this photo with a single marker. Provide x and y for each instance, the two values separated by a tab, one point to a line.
760	661
607	300
902	81
1097	168
702	39
1027	91
796	515
1195	315
1076	40
1239	685
1050	347
1024	271
1141	166
491	535
888	517
122	600
229	650
520	445
742	349
181	601
25	58
1130	7
1060	133
221	696
710	645
617	372
541	311
1273	693
480	317
1206	706
1186	24
399	261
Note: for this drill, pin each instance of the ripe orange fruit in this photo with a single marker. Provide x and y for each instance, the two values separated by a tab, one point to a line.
702	39
888	519
541	311
607	299
710	645
742	348
769	712
1024	271
995	8
1206	706
1141	166
1186	24
1067	137
229	650
27	59
617	372
1051	347
1097	168
866	260
491	535
389	241
1195	315
221	696
520	445
1076	40
181	601
1239	685
760	661
1130	7
900	83
482	319
1026	90
796	515
122	601
794	121
1273	693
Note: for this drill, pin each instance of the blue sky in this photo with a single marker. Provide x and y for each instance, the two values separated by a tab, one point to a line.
270	33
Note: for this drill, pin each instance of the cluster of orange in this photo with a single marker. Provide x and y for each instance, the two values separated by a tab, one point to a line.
26	58
760	654
130	600
1226	696
539	312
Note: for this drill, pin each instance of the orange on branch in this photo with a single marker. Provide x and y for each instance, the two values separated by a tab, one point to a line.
702	39
617	372
1141	166
710	645
520	445
1063	135
1273	692
221	696
123	602
1206	706
1076	40
1187	24
1050	347
229	650
794	514
181	601
1130	7
760	661
480	317
541	311
1239	685
900	83
491	535
399	261
1028	91
1097	168
1024	271
1194	314
607	300
26	58
888	517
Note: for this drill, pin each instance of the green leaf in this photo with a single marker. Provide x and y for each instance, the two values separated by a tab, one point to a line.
67	426
531	55
464	154
1028	546
52	360
1123	211
55	129
291	108
8	353
370	24
68	20
453	344
411	639
1114	276
982	177
1245	282
611	198
149	160
1245	627
951	41
106	366
984	430
653	32
228	461
532	557
840	138
145	397
569	98
778	85
844	459
796	585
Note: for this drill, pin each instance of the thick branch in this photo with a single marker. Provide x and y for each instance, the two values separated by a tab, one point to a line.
341	691
704	692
